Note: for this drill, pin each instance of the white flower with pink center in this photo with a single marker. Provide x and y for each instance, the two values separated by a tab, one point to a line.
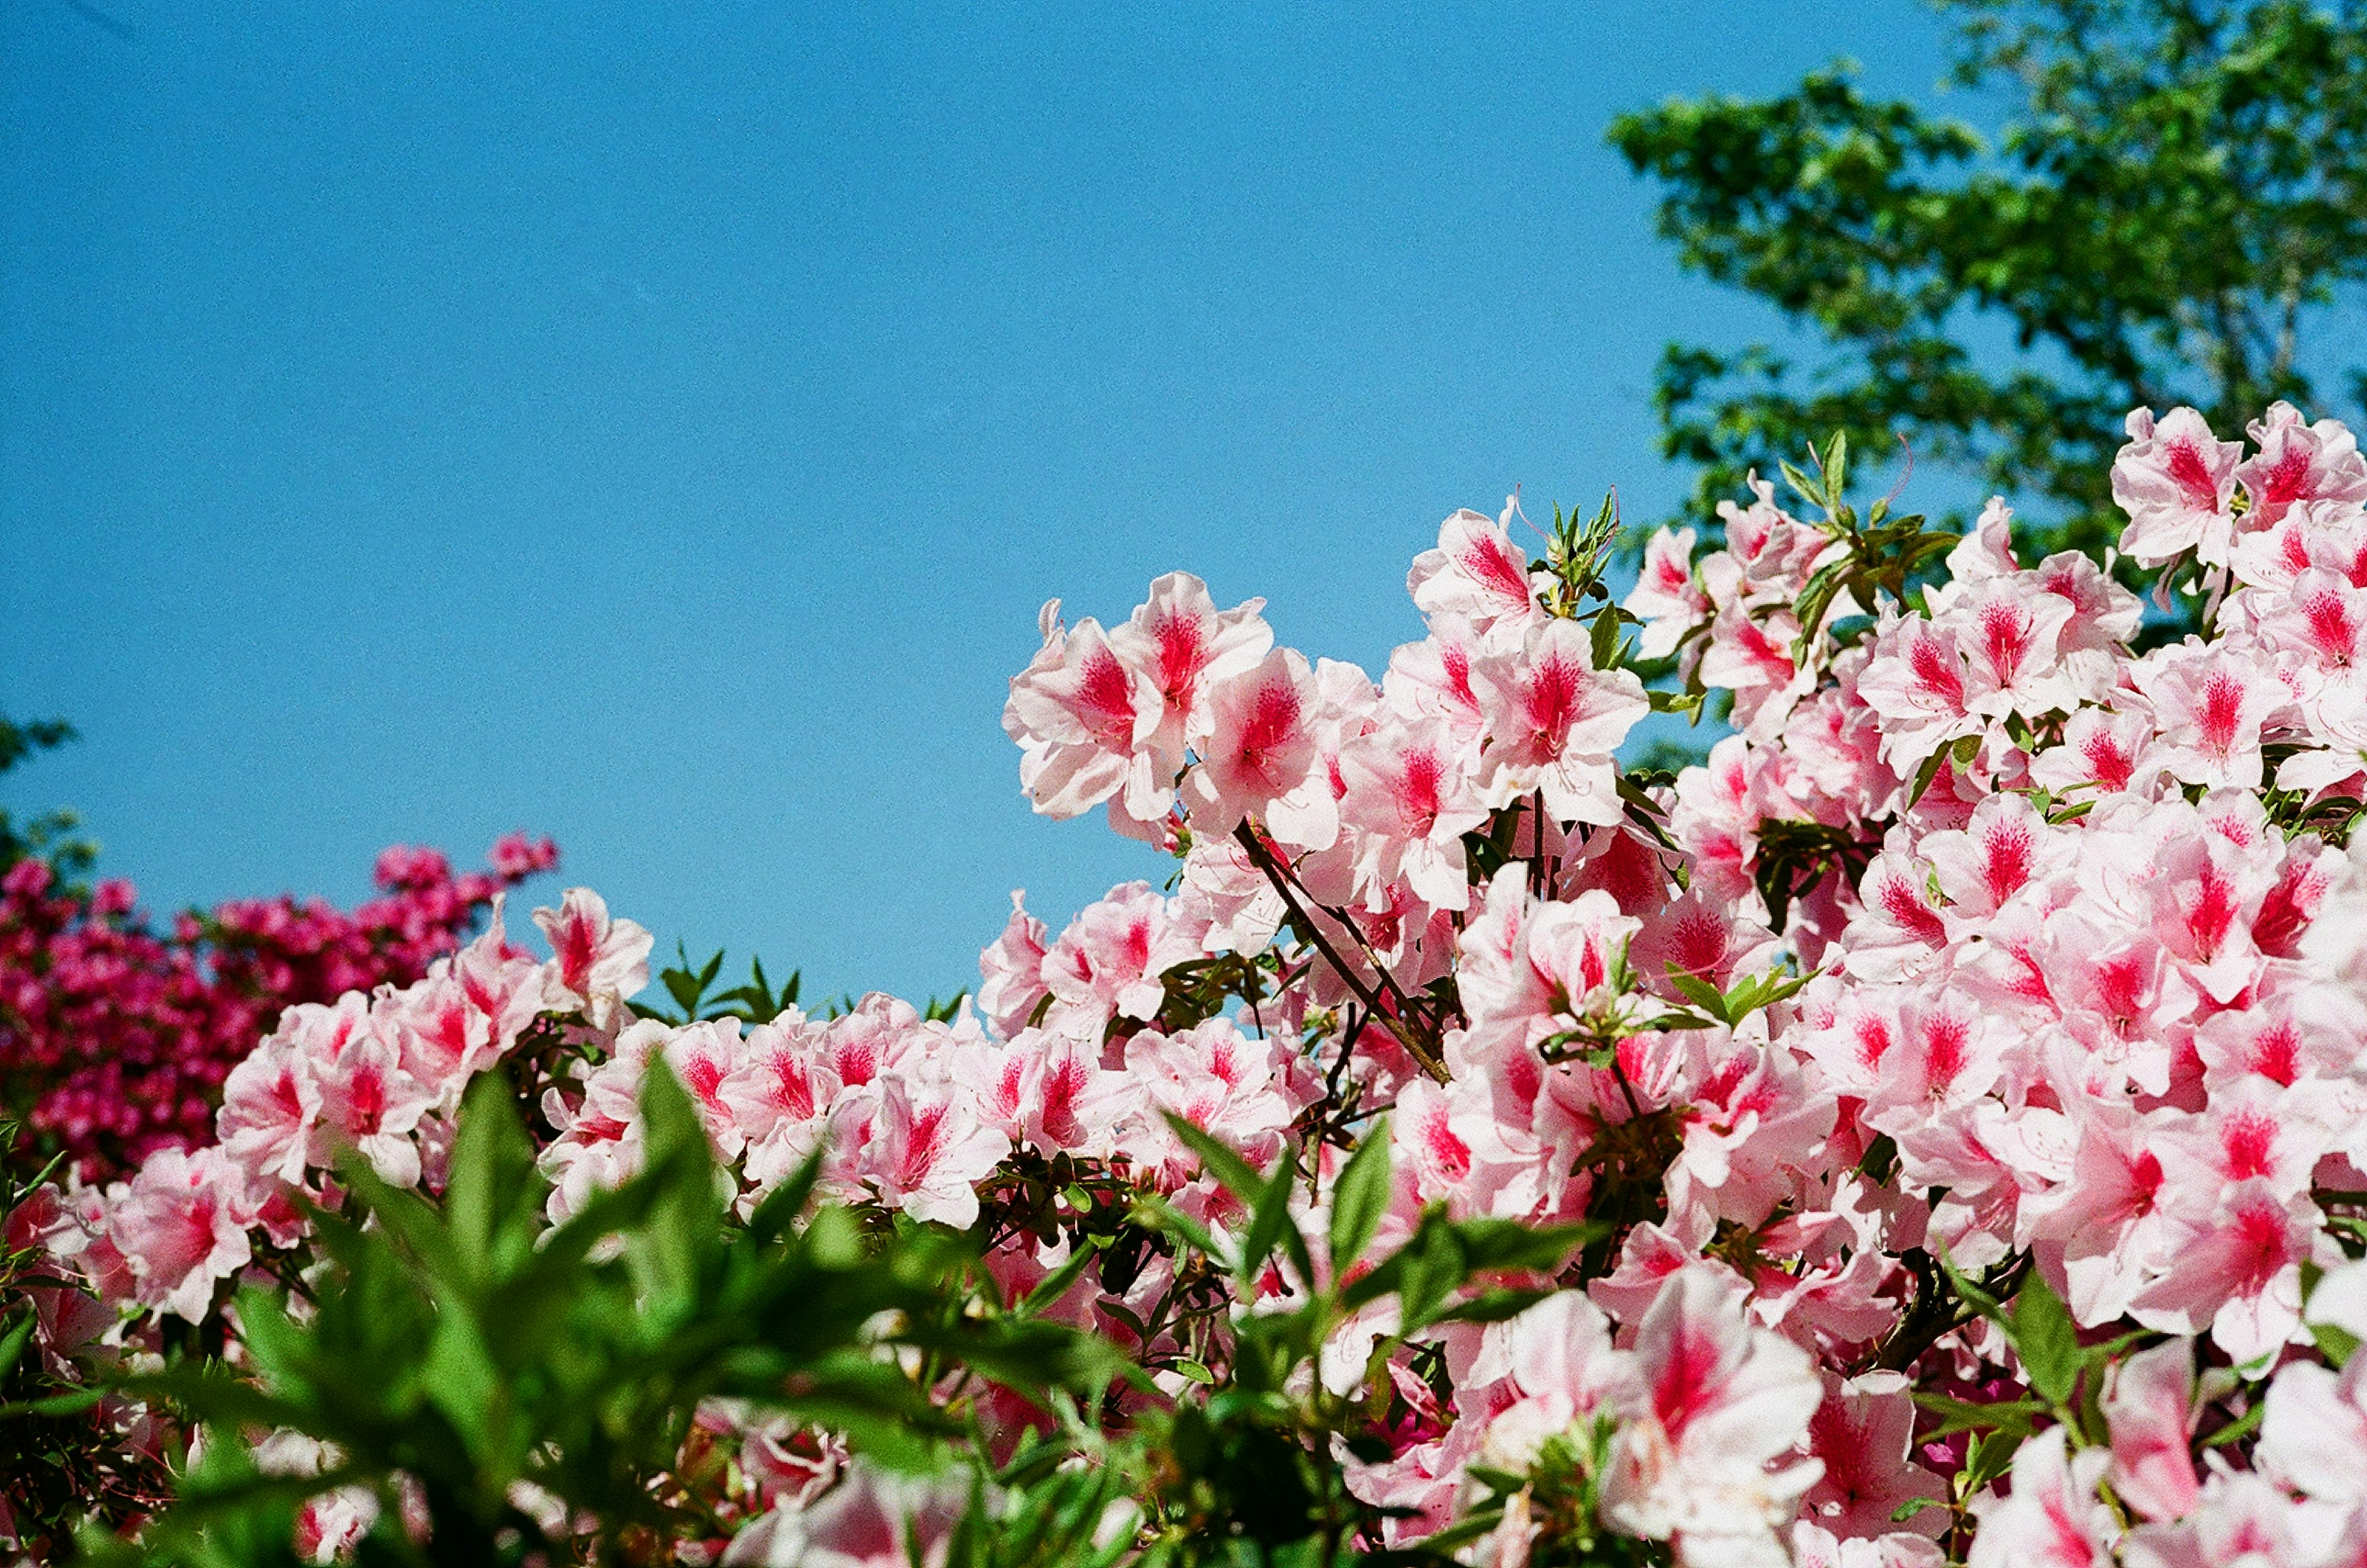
1475	572
1086	722
599	962
1554	721
1696	1462
182	1225
2177	482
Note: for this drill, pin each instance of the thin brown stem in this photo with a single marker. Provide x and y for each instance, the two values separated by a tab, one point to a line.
1397	1025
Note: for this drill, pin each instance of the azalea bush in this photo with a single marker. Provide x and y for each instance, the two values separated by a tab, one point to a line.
1927	1131
115	1035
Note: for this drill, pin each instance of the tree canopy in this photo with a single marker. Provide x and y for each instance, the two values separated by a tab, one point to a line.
2173	211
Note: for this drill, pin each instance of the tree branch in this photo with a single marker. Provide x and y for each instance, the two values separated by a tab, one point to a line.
1262	858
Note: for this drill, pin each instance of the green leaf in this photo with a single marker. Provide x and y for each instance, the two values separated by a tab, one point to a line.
1360	1197
1156	1213
1925	775
1988	1455
1699	992
2020	1416
1271	1222
73	1404
1814	599
1054	1285
2046	1340
492	1201
1234	1173
12	1344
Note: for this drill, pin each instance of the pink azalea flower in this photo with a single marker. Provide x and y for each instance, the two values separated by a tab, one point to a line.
780	1096
2052	1518
1554	721
2299	462
1863	1433
1813	1546
1262	757
870	1519
1409	796
1723	1402
2177	483
182	1225
2149	1406
917	1147
1917	682
1666	597
1475	572
270	1105
1052	1093
1186	645
1108	963
1086	720
1217	1079
2238	1271
704	1057
370	1105
1574	950
599	962
2009	635
1557	1368
2315	1428
1011	971
2212	706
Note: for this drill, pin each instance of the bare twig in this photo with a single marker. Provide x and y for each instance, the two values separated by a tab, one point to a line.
1398	1025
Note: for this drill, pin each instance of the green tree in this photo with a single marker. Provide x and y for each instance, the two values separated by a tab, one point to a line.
2173	212
51	834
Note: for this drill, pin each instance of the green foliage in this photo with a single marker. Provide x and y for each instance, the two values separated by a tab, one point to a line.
2174	208
1246	1471
50	836
62	1459
473	1347
755	1002
447	1352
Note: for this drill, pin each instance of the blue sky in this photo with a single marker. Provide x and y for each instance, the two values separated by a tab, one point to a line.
656	426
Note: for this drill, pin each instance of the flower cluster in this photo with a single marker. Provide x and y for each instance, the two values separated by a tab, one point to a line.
114	1037
1953	1085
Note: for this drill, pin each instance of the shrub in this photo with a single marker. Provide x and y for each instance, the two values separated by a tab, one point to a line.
1924	1131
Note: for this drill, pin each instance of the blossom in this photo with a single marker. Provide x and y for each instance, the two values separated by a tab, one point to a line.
915	1146
1262	754
2150	1409
371	1107
1553	720
181	1225
870	1519
1988	947
2177	483
1108	963
1085	720
1409	794
1475	572
1011	971
600	962
2053	1517
1723	1400
1180	639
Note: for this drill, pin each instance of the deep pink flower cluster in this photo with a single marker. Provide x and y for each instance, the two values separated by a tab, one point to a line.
1963	1069
114	1037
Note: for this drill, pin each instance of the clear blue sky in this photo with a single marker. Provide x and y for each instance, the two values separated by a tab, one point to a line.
657	426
